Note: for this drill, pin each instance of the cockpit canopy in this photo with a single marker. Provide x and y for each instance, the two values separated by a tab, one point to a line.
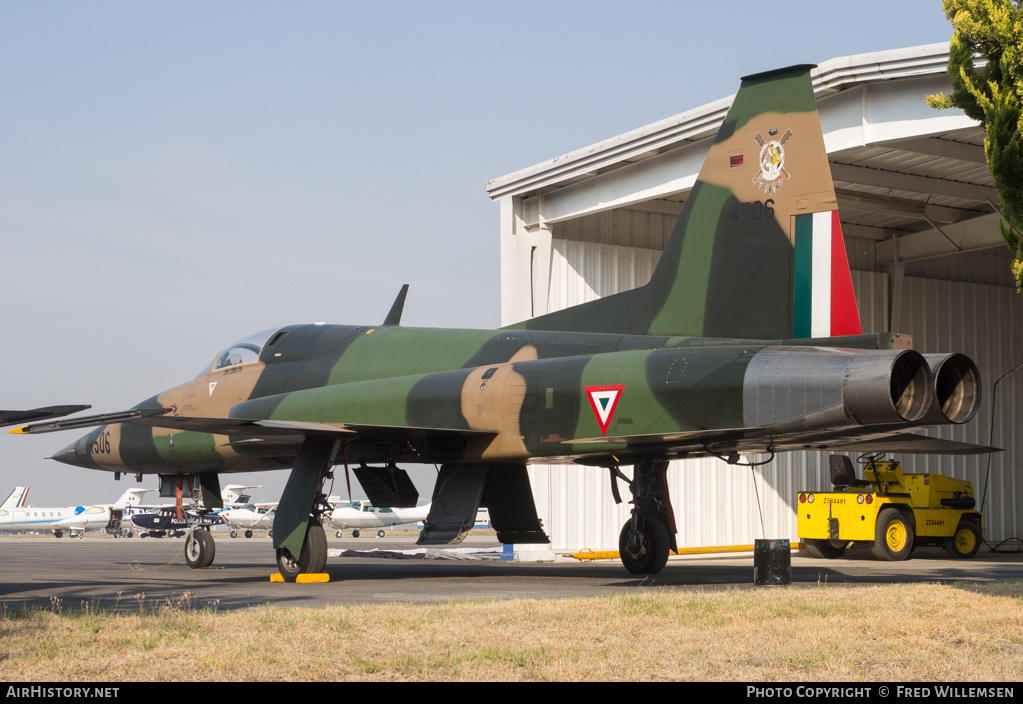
245	351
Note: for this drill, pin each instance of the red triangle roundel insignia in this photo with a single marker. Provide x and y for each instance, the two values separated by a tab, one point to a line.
604	401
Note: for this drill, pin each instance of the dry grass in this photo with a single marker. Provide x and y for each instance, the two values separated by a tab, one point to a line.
924	632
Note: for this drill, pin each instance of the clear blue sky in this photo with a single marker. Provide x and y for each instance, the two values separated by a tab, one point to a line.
175	176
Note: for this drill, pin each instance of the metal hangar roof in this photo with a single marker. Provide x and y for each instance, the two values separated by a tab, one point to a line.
910	179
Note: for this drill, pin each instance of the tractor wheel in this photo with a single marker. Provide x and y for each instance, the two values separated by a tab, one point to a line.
893	535
823	549
965	542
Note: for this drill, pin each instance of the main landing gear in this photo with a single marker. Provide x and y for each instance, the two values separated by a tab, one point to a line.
313	558
649	536
298	534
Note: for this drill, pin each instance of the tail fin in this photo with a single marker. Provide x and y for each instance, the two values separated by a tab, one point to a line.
757	251
17	498
131	497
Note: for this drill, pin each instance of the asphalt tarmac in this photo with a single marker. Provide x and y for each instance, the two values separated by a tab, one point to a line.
101	572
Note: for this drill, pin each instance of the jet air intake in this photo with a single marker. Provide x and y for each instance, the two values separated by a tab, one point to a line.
820	388
956	388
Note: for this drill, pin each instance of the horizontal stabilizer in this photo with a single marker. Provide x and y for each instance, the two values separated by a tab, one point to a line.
918	445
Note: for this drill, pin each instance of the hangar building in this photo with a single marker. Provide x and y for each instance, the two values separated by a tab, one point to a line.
919	213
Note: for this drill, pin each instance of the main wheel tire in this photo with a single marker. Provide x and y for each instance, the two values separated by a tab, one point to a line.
646	551
313	558
965	542
355	534
248	533
823	549
381	533
893	535
200	549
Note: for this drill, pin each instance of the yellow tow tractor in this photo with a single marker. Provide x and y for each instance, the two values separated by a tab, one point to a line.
891	510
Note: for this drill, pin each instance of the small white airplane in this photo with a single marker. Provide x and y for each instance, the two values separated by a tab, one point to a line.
358	515
249	517
74	520
241	512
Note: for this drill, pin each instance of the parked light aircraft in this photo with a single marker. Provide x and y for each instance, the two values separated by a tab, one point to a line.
746	340
359	515
74	520
241	512
159	520
249	517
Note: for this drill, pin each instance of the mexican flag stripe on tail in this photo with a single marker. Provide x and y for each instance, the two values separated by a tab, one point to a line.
823	304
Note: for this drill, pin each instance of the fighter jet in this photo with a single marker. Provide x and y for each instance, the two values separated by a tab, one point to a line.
745	340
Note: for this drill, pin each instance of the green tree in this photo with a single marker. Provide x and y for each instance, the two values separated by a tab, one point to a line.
992	94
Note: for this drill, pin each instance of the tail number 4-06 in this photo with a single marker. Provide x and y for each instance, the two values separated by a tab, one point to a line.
757	210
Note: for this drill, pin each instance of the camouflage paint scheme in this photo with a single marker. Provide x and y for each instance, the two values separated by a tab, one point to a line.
700	361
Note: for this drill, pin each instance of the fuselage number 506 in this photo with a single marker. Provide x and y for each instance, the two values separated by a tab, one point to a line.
102	444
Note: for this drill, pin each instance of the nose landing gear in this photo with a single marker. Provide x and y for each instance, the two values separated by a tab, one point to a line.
648	538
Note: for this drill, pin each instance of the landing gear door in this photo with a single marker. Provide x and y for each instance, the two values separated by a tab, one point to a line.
456	499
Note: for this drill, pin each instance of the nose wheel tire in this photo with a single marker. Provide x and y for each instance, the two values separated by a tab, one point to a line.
313	559
644	550
200	549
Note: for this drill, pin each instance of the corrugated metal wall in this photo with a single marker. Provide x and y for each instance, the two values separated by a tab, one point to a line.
717	504
986	323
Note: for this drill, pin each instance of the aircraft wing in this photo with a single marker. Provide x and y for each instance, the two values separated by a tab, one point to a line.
251	429
721	443
34	414
243	428
87	421
161	418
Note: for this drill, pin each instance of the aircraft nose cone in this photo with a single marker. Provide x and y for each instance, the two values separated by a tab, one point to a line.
67	455
76	454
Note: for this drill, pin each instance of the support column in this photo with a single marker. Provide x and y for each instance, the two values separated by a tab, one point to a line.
896	277
525	264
